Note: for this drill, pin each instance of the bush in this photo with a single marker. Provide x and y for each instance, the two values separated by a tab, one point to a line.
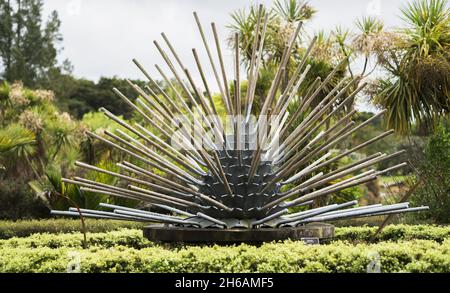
24	228
18	201
408	249
132	238
434	169
393	233
287	256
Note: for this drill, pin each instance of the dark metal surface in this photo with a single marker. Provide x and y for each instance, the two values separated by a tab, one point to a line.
163	233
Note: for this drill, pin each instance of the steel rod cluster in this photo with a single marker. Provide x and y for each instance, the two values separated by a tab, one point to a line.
227	179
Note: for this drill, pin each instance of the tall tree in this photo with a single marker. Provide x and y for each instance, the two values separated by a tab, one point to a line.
28	45
416	90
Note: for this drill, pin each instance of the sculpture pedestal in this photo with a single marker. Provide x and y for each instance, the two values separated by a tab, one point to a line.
162	233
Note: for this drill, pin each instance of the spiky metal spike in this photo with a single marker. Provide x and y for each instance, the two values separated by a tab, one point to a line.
214	179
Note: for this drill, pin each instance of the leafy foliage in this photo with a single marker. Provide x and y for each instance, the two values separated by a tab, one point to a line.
28	45
24	228
417	90
433	166
128	251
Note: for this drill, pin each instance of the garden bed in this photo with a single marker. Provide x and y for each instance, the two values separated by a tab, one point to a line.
399	248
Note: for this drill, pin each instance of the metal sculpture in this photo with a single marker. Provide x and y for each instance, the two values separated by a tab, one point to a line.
232	182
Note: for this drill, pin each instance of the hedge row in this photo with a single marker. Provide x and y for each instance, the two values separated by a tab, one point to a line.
132	238
288	256
24	228
393	233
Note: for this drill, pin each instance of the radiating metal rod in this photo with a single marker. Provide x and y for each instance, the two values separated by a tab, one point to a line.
186	90
164	107
195	163
306	211
133	195
183	135
295	164
269	99
282	67
305	102
185	188
251	68
222	68
296	73
172	209
317	112
158	158
364	213
289	97
212	219
270	217
205	83
301	136
89	211
358	147
354	209
144	160
155	84
153	193
155	144
97	216
147	195
315	213
112	206
156	218
212	123
146	173
197	133
130	179
311	181
160	164
211	61
331	189
315	194
222	174
178	78
254	78
292	165
144	95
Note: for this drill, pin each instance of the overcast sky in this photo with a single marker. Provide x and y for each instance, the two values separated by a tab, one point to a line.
102	36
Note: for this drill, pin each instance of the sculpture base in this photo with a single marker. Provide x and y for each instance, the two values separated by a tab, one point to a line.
163	233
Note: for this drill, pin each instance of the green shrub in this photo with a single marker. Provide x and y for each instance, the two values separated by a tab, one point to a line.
405	249
18	201
434	168
126	237
24	228
393	233
287	256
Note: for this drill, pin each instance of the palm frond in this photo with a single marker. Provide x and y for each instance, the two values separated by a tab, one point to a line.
294	10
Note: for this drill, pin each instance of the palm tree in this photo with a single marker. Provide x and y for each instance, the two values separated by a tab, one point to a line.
17	147
417	88
283	19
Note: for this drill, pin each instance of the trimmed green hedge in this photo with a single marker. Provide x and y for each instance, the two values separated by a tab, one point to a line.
288	256
24	228
132	238
394	233
9	229
128	251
